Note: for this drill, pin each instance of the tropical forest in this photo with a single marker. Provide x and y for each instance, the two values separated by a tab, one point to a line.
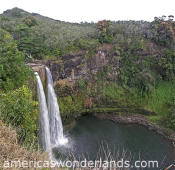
86	91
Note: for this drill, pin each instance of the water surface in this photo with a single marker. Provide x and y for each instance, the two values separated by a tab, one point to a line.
89	134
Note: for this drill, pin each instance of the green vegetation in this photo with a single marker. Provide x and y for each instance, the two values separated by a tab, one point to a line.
163	31
158	104
139	74
135	73
70	106
105	35
42	37
160	98
12	68
98	97
169	119
167	64
17	107
20	111
146	86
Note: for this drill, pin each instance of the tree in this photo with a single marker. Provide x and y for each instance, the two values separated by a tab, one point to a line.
13	71
164	31
20	111
105	34
30	21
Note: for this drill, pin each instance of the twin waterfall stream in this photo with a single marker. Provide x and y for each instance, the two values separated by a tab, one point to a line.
51	128
87	136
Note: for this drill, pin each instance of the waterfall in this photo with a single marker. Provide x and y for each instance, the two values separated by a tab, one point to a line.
56	127
43	116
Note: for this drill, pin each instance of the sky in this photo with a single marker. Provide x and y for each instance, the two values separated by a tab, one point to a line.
94	10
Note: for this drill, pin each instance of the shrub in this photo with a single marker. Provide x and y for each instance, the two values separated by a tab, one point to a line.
70	106
20	111
169	118
167	64
86	44
105	34
30	21
13	71
161	96
163	31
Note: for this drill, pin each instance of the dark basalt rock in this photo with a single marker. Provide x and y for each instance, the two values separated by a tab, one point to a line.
79	65
84	65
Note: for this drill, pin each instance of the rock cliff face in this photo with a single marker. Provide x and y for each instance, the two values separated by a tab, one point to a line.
68	69
40	68
75	66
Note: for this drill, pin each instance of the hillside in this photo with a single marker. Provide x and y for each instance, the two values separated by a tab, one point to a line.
56	38
52	36
111	67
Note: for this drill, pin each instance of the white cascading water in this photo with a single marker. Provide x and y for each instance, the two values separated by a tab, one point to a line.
43	116
56	127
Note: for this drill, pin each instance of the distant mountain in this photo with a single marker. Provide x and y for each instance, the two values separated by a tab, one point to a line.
41	36
52	33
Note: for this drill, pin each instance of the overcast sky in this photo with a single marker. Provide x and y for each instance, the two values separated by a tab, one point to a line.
94	10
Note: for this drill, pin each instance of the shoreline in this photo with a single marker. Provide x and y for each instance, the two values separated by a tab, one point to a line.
140	120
